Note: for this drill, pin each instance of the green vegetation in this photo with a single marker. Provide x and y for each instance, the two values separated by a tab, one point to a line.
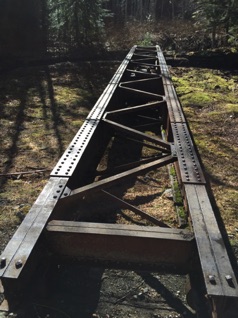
214	126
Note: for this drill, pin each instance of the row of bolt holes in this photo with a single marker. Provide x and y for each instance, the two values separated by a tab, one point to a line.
59	191
71	148
190	151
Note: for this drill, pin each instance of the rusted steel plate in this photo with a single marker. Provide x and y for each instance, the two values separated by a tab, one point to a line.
190	168
25	238
163	65
174	108
145	246
68	162
218	274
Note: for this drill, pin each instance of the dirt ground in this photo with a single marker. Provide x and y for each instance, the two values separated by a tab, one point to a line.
41	109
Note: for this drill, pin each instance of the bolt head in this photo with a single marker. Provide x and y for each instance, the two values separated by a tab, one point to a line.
212	279
3	262
18	264
228	278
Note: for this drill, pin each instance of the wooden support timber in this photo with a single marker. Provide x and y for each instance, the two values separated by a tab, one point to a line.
140	105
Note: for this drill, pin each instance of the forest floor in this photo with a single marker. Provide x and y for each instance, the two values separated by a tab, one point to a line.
42	108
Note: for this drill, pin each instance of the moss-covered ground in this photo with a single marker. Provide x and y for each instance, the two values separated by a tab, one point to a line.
210	101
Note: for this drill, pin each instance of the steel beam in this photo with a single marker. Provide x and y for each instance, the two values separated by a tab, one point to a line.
146	247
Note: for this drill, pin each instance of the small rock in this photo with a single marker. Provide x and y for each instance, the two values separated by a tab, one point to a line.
168	193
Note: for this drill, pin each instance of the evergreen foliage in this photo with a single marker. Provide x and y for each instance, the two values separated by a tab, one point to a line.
218	17
60	26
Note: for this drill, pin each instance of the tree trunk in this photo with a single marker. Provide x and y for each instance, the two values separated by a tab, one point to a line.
20	31
153	9
214	31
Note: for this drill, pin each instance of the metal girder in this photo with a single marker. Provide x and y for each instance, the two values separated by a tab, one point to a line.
217	271
140	94
25	238
146	247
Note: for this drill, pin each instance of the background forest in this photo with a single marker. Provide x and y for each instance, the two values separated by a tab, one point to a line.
30	28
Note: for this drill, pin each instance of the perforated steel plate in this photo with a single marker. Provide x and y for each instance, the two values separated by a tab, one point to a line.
190	168
71	157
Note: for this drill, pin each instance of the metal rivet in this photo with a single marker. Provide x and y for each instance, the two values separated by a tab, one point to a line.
18	264
212	279
228	277
3	262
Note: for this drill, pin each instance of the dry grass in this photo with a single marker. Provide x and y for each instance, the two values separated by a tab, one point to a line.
41	109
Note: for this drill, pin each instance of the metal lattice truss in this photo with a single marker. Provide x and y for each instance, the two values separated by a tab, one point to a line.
140	105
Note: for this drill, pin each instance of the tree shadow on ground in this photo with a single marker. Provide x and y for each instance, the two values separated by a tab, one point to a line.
171	300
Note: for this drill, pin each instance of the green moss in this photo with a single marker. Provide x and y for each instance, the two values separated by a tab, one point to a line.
198	99
77	123
231	108
67	95
177	194
181	212
172	171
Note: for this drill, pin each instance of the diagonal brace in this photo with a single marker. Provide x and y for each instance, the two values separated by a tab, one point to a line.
138	134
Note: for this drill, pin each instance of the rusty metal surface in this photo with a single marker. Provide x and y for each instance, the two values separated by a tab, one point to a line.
217	270
190	168
73	153
146	247
25	238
